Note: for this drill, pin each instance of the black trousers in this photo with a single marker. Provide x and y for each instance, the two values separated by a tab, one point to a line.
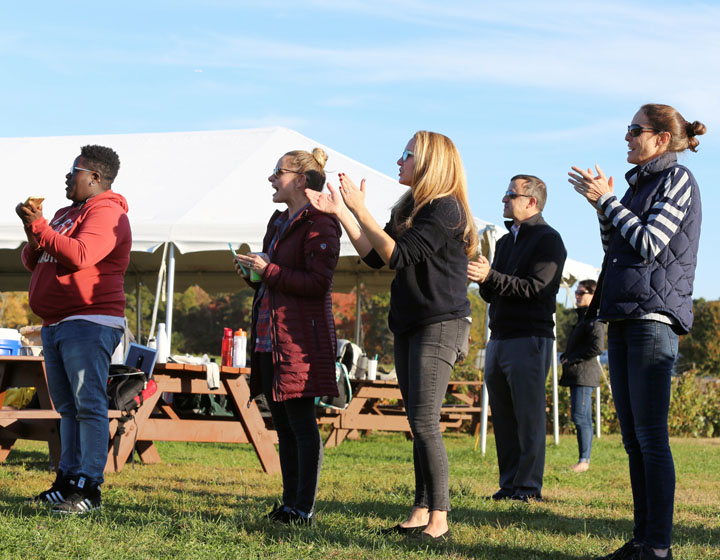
515	372
300	446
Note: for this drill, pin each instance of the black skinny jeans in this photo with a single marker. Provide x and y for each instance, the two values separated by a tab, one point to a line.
424	358
301	449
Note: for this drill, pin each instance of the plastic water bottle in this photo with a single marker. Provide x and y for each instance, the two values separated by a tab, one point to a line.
163	345
239	348
227	347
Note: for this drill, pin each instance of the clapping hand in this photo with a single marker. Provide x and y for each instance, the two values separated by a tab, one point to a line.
331	203
354	198
589	186
478	270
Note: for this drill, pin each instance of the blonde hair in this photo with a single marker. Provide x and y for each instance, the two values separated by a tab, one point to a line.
438	173
312	165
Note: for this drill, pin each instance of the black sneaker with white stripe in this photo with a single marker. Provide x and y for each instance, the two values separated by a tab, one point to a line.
56	494
84	497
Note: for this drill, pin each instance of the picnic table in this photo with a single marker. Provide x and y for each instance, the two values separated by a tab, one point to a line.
374	406
154	420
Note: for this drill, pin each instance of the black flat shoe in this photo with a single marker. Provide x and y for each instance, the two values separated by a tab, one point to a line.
428	538
400	530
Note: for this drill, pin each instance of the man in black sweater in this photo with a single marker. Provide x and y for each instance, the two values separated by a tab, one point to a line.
520	286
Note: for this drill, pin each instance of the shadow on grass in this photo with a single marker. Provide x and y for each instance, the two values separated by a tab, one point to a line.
30	459
346	524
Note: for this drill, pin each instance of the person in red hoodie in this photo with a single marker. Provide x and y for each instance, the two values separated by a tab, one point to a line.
78	260
293	343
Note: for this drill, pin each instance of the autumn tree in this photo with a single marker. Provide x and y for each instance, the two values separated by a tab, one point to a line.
15	310
344	309
701	348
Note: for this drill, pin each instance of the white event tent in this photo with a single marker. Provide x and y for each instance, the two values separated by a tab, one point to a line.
193	192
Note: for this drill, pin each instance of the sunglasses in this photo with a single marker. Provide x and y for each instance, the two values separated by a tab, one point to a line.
278	171
513	195
72	170
406	154
636	130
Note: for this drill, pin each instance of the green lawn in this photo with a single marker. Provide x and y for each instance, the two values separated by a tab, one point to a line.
208	501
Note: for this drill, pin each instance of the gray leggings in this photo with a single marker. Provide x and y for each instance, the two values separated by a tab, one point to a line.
424	358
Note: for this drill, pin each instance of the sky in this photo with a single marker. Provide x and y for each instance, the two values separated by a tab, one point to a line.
520	87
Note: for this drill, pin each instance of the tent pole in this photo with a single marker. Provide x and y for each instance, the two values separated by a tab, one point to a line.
556	419
598	418
158	289
358	305
170	293
138	304
485	397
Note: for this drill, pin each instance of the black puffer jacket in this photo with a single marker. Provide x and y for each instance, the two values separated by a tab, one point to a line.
585	342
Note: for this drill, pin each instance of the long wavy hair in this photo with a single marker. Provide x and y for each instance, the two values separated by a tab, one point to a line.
438	172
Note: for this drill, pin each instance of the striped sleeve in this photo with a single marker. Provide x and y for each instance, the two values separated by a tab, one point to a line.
672	202
606	228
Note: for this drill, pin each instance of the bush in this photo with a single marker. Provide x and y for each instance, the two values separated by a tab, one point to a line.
694	407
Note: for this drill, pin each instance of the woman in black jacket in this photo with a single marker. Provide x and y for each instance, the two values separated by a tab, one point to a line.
581	370
427	241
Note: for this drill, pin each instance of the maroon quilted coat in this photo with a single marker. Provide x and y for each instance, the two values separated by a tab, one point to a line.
299	284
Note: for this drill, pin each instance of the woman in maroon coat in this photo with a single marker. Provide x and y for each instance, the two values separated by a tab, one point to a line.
293	332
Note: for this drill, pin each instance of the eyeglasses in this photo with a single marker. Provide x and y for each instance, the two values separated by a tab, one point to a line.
406	154
278	171
581	292
636	130
513	195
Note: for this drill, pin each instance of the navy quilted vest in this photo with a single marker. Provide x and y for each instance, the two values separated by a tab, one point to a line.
632	286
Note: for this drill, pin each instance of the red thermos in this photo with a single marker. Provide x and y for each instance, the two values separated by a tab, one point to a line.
227	348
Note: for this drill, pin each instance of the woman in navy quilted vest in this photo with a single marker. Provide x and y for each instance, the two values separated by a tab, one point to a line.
427	241
650	237
293	342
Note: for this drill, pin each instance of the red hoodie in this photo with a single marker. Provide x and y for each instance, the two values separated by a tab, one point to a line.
84	252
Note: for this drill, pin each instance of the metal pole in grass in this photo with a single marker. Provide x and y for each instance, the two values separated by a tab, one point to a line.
556	418
485	398
597	404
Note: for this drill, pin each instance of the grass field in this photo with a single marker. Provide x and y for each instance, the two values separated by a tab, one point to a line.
207	502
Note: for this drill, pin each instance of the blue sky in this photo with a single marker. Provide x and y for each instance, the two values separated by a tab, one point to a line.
522	87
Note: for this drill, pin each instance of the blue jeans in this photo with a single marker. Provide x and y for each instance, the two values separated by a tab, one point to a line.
515	372
77	362
641	355
581	414
424	358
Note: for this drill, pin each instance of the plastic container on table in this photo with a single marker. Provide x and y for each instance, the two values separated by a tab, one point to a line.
10	342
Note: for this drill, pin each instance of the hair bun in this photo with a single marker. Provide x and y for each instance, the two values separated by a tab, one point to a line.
695	128
320	156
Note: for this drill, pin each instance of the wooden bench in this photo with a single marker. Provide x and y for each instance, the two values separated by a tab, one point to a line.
154	420
369	410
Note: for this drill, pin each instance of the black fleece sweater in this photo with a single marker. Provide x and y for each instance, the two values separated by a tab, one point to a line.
523	281
430	285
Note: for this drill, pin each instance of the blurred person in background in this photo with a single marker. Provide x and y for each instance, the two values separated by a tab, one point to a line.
581	370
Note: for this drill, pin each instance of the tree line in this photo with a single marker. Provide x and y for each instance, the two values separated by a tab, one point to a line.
199	319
